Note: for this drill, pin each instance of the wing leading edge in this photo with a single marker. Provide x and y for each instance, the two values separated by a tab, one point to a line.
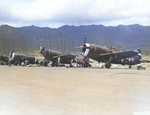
119	55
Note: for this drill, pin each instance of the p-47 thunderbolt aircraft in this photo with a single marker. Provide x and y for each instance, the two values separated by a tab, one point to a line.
102	54
56	57
17	58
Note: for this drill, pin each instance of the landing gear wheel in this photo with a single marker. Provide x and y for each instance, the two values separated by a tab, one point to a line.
45	64
108	65
87	65
54	64
26	62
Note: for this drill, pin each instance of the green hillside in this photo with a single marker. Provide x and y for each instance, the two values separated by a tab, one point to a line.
66	38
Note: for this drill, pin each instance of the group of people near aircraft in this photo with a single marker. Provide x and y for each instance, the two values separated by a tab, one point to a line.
95	52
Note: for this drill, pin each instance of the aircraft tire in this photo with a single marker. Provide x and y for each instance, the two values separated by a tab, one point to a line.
108	65
15	63
87	65
54	64
26	62
45	64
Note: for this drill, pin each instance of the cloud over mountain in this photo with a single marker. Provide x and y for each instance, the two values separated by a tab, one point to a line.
74	12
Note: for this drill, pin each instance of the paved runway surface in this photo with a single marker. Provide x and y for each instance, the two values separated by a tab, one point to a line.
74	91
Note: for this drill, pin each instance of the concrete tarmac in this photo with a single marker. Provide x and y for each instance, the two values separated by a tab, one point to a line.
74	91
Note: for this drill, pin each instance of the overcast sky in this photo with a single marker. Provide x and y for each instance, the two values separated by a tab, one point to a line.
56	13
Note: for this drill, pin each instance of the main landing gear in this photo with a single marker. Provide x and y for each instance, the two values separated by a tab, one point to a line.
108	63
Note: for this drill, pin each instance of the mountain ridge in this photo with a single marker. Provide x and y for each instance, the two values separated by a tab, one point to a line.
66	38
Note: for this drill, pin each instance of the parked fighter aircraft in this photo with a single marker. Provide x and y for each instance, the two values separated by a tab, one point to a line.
3	60
56	57
102	54
17	58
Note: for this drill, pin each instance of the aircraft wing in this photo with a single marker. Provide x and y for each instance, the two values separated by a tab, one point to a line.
119	55
145	61
65	56
27	58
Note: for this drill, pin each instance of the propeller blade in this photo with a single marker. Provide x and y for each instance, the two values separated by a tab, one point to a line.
85	38
11	53
84	45
42	49
79	47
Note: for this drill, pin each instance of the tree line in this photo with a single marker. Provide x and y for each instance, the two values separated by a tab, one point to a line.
66	38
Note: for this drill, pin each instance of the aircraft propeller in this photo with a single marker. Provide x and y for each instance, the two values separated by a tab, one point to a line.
86	59
83	49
